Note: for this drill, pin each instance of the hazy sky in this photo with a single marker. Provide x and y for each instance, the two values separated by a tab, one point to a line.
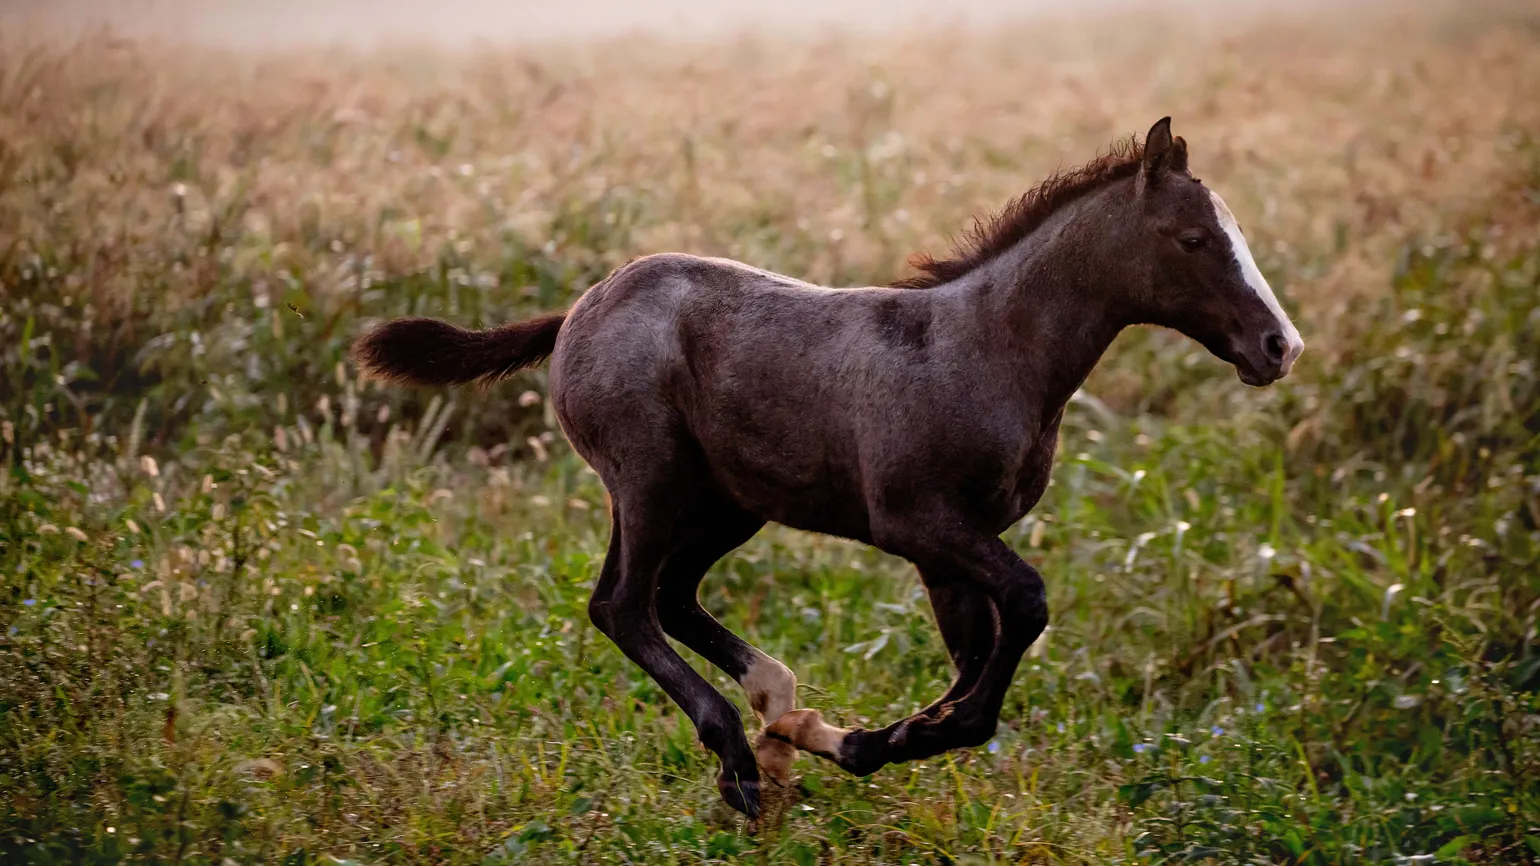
361	22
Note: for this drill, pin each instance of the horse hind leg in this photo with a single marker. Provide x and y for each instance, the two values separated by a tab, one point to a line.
624	607
712	528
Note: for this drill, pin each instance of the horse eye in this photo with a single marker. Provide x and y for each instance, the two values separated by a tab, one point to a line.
1193	243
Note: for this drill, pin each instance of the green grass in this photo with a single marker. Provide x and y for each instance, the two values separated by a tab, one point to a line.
253	611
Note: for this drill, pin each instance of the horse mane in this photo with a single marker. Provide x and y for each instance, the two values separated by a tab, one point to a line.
989	237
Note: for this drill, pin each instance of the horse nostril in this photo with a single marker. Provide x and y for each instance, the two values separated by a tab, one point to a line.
1276	347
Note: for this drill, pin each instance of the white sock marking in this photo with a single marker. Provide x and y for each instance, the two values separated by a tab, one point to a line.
771	687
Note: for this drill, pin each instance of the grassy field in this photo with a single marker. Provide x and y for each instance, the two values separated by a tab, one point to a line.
255	610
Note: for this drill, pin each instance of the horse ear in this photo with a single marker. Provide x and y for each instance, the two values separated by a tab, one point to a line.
1177	161
1157	151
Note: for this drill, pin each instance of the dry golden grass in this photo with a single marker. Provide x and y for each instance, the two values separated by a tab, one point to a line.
1329	133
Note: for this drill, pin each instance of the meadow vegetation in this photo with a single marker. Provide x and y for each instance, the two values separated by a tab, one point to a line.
254	609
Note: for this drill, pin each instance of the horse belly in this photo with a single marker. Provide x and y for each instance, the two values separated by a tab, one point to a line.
787	476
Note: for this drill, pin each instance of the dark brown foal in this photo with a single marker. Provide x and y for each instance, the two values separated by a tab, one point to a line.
713	397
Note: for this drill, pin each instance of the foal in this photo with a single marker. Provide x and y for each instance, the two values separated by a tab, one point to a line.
712	397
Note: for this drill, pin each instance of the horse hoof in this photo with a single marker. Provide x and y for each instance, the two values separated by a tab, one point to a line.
775	758
863	753
742	795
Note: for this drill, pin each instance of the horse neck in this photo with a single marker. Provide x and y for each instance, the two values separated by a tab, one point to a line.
1048	308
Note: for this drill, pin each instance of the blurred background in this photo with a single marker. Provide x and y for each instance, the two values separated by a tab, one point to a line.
458	22
254	608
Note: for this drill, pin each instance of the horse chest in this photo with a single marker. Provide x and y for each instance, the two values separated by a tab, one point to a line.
1035	473
1031	478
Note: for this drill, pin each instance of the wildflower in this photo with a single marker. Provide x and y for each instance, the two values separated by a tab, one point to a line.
138	563
1203	759
994	747
1061	727
1260	707
1140	748
1217	731
1390	596
29	601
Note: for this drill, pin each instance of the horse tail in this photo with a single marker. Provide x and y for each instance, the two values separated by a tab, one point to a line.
430	352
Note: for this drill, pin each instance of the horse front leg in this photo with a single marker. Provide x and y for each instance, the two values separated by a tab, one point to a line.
966	619
968	714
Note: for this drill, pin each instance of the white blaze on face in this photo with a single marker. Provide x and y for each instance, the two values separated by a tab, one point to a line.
1258	283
